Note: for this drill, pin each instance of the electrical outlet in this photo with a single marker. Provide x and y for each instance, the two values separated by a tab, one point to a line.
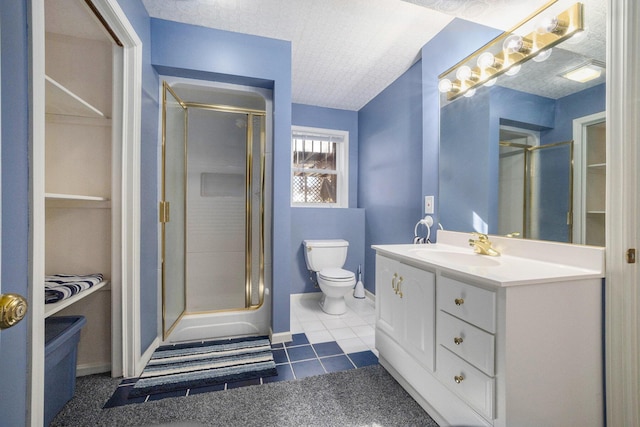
428	204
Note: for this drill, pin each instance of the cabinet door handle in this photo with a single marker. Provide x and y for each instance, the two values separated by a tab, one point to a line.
458	340
459	301
393	282
398	291
458	378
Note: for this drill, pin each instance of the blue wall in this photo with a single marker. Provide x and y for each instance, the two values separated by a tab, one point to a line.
441	53
240	58
328	223
139	19
15	203
390	173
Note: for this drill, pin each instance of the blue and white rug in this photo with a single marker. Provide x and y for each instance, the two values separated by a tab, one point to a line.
192	365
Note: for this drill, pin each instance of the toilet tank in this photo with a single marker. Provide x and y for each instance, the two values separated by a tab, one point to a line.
321	254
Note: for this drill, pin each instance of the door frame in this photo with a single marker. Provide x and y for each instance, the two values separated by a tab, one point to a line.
126	137
580	171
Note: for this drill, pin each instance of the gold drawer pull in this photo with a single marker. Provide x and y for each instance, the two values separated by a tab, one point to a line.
458	379
457	340
393	282
398	291
459	301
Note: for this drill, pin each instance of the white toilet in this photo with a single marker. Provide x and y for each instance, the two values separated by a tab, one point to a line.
326	258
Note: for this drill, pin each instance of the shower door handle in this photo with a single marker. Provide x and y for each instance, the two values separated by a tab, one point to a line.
164	211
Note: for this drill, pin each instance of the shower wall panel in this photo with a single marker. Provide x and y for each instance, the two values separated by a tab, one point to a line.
215	210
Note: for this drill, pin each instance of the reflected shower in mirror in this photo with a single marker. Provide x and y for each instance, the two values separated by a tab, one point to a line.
513	157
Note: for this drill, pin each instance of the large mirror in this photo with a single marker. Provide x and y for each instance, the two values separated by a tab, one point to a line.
526	156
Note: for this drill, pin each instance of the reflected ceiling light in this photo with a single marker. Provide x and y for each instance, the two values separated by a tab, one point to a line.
506	53
513	70
543	56
585	72
470	93
491	82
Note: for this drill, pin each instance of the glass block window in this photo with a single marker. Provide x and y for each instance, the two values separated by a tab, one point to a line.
319	167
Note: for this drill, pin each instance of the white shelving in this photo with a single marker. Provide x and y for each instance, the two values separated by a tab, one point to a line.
55	307
79	170
60	100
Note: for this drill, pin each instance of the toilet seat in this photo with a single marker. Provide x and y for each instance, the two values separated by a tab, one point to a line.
336	275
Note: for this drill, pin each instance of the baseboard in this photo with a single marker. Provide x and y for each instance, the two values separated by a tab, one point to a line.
92	368
370	296
280	337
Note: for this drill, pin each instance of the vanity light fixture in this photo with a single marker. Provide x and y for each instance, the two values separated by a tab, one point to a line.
507	52
585	72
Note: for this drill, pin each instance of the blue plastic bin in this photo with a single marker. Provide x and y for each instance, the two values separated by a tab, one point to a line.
62	335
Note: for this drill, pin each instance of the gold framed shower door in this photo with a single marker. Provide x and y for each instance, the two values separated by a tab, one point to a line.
250	183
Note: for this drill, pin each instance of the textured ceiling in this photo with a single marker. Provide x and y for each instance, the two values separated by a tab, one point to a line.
345	52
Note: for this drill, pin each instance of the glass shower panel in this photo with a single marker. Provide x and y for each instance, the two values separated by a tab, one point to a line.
173	193
551	215
512	190
217	206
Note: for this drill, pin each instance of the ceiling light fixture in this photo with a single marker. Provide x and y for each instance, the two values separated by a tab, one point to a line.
585	72
506	53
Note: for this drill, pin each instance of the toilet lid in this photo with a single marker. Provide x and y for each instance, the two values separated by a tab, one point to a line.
337	274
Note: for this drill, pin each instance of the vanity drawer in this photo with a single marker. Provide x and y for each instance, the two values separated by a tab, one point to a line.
468	382
470	343
469	303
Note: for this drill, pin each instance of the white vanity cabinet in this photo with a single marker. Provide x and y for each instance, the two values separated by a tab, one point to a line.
516	344
406	311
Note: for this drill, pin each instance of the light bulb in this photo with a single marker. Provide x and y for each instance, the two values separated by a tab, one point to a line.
515	44
542	56
547	25
463	73
513	70
470	93
486	60
445	85
491	82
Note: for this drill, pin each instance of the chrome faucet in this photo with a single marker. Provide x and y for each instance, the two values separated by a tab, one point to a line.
482	245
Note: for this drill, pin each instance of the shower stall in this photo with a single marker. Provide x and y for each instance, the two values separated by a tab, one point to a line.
215	210
535	191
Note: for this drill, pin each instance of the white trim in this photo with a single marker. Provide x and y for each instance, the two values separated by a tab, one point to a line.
579	172
36	373
129	133
146	356
280	337
92	368
621	313
342	166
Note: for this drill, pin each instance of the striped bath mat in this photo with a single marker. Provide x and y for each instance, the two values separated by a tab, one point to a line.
191	365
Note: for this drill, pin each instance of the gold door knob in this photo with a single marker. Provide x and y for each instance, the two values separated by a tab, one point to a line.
13	308
458	379
459	301
457	340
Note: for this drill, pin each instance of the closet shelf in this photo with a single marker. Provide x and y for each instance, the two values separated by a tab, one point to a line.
60	100
598	165
55	307
75	200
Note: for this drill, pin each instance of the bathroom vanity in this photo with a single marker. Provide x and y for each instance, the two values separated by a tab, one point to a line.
477	340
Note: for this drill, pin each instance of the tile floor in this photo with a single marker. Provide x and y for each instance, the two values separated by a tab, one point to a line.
353	331
321	344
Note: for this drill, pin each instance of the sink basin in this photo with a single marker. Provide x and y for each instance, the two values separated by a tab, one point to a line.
459	258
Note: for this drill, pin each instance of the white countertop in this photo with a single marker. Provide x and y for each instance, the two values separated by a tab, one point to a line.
536	262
